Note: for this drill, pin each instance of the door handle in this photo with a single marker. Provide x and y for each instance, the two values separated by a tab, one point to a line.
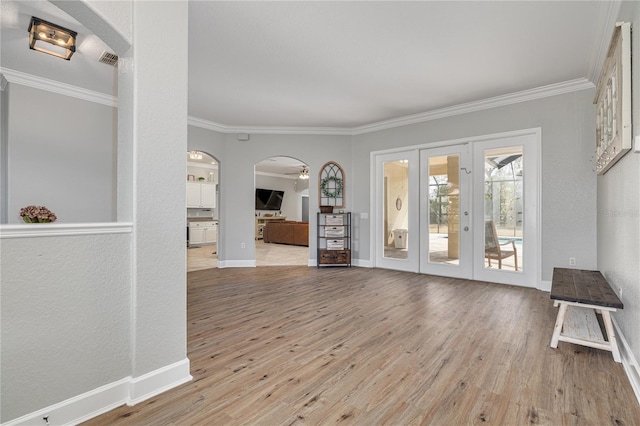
466	228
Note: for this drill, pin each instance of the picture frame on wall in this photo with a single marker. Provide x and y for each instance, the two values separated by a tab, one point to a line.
613	102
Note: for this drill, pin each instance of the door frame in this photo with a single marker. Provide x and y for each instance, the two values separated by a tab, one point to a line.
536	205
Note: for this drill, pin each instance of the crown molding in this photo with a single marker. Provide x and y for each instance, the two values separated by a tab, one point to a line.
268	130
205	124
498	101
495	102
605	26
30	80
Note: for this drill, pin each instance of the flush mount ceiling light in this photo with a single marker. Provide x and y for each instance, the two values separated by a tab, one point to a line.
195	155
52	39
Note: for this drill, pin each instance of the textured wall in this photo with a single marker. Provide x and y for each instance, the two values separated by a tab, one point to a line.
4	145
159	195
619	214
65	318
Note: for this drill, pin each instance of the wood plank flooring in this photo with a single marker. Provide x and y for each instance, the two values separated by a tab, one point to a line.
305	346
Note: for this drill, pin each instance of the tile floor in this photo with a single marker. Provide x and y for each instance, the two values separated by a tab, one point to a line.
205	256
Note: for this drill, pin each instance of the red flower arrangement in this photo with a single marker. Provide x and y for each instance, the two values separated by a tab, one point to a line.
37	214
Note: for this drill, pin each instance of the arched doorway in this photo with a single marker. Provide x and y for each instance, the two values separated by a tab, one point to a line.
203	225
282	212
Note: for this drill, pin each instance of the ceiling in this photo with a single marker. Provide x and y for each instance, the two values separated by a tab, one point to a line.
83	70
341	65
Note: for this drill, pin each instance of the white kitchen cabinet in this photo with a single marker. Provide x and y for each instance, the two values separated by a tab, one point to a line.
208	195
203	232
196	235
201	195
211	234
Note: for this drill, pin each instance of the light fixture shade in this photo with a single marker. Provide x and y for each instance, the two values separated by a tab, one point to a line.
304	174
195	155
52	39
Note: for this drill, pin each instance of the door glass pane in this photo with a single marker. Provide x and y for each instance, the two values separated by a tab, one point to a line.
503	208
444	209
396	212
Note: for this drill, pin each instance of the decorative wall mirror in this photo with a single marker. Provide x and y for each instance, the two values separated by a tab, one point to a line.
331	186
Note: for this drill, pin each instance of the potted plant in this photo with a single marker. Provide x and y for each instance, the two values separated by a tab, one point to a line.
37	214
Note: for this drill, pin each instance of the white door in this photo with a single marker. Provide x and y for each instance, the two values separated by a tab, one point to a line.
445	215
506	205
396	212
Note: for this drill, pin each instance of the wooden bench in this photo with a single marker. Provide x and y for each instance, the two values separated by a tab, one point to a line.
581	294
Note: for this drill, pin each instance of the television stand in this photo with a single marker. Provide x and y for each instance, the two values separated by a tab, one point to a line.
261	221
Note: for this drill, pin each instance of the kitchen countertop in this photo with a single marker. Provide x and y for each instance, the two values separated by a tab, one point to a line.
201	219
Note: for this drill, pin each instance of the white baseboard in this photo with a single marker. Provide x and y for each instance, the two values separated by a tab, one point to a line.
158	381
236	263
362	263
544	285
98	401
629	361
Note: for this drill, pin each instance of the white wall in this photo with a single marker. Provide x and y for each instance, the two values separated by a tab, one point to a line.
568	182
64	159
619	214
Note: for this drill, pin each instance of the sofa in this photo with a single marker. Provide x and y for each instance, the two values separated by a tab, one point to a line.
286	232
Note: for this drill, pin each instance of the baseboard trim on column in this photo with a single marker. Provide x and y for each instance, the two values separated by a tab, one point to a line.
158	381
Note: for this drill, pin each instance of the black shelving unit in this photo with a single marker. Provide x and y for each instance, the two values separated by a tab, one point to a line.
334	239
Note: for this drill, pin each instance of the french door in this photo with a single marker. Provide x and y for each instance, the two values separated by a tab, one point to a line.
469	210
445	218
506	205
396	204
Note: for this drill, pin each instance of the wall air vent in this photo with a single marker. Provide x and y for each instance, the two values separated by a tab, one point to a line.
109	58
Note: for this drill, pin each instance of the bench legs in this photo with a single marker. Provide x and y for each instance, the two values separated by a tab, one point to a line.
557	329
583	338
611	335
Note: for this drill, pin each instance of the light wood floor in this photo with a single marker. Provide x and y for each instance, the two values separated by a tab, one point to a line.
308	346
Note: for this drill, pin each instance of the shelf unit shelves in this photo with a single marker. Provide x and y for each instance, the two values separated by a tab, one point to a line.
334	239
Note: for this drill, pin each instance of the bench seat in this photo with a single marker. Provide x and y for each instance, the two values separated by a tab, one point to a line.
580	294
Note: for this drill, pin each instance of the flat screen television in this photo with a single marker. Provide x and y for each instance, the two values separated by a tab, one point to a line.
268	199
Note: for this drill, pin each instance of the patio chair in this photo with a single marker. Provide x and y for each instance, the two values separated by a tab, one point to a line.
493	248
